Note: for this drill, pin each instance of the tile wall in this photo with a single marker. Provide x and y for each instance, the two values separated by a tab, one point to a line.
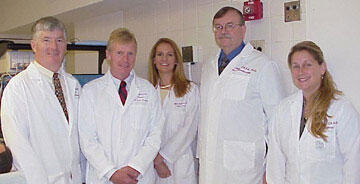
188	22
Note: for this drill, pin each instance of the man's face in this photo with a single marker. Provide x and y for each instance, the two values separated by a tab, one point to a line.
49	49
122	59
229	38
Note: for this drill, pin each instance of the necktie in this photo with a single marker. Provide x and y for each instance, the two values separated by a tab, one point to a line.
59	94
123	92
224	62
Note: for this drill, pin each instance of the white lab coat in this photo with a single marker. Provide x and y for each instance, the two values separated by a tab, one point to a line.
311	160
113	136
16	177
235	108
180	128
44	145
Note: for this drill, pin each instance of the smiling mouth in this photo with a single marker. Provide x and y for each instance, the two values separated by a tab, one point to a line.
164	64
303	79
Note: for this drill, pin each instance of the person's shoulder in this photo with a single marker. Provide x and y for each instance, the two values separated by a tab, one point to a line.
143	83
341	102
71	78
94	84
259	56
193	87
19	79
287	101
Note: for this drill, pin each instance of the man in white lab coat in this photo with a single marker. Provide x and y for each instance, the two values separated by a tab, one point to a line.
120	119
239	90
39	112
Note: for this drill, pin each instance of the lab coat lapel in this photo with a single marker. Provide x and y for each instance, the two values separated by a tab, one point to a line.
73	94
111	92
132	93
238	60
296	110
48	94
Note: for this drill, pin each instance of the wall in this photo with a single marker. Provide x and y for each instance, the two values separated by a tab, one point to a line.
335	27
98	28
189	22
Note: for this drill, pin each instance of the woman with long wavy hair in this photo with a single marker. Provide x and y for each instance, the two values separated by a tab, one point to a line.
180	101
315	134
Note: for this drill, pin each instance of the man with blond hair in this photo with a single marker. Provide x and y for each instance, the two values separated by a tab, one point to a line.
120	119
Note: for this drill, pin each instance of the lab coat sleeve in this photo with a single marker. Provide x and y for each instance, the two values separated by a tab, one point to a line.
182	140
271	90
275	166
348	136
144	159
90	145
15	126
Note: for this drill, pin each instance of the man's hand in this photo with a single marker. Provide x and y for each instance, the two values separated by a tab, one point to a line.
125	175
161	168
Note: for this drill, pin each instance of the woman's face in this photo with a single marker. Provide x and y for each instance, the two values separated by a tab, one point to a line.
165	58
306	72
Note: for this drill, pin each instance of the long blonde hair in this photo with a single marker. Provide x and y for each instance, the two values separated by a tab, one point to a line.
321	99
179	81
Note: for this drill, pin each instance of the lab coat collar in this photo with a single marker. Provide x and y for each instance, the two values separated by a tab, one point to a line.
34	74
112	90
241	57
296	110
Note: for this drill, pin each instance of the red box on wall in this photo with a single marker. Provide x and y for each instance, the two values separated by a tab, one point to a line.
253	10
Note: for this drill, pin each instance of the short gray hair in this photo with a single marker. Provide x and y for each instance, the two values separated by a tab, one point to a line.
47	24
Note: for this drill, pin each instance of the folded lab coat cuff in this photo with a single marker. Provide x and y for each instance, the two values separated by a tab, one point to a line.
110	173
166	157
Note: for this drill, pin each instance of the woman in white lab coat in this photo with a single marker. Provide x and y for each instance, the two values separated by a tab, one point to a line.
315	133
180	101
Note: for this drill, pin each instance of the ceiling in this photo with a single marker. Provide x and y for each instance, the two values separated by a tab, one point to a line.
93	10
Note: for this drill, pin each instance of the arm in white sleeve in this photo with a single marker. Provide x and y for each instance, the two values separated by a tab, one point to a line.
90	145
271	88
181	141
275	161
144	159
348	136
15	127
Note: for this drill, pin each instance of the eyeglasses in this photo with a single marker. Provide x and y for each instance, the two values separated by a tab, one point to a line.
228	26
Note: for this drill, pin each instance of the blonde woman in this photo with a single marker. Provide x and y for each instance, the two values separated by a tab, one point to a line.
315	133
180	101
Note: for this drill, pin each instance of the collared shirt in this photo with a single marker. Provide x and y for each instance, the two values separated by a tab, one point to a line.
232	54
127	80
48	74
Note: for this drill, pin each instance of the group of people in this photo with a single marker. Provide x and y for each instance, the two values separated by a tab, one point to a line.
130	130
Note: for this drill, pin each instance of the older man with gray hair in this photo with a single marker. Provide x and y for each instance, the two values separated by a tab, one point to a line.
39	111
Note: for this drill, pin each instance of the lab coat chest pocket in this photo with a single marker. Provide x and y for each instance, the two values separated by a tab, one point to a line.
320	150
139	116
178	114
236	85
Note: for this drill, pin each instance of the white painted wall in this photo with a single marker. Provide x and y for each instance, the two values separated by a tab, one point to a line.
189	22
335	26
98	28
332	24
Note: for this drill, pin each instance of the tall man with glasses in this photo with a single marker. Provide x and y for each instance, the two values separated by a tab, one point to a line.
239	90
